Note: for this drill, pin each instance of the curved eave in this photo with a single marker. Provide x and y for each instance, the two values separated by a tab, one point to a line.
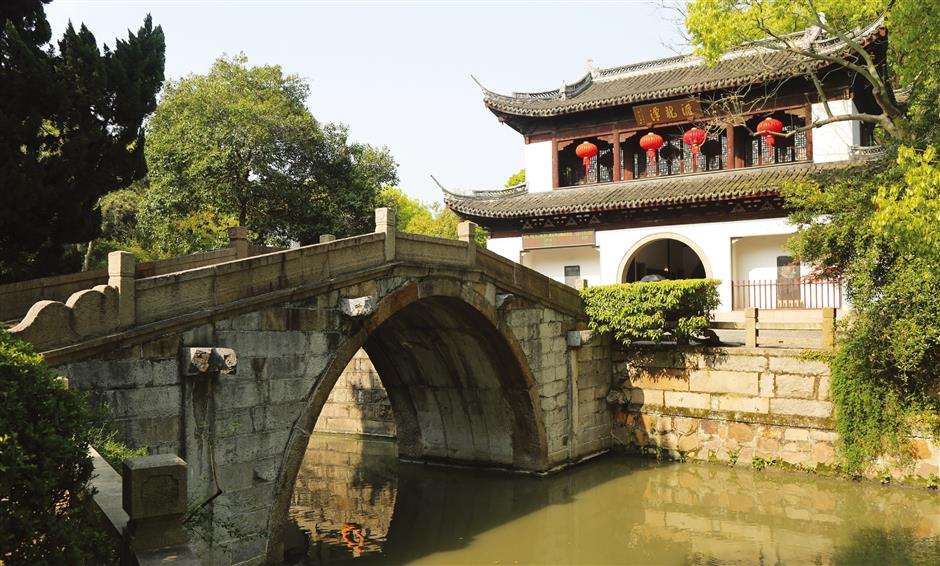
681	190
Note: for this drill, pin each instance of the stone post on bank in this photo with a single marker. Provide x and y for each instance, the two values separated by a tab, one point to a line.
122	273
155	499
385	223
467	232
750	327
327	238
238	239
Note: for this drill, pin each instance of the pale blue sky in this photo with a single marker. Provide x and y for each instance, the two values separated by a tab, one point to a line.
398	73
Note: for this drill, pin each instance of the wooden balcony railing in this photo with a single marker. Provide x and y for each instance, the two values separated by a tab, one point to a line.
786	294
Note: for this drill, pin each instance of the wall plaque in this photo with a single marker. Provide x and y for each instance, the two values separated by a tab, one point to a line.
684	109
557	239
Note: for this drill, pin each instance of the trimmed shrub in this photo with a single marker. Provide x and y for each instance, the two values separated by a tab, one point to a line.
46	516
634	312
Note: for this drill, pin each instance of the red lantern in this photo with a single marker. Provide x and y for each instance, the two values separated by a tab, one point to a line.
695	138
651	142
767	127
586	150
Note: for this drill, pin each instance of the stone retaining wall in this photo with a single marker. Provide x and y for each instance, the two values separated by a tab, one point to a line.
358	403
739	405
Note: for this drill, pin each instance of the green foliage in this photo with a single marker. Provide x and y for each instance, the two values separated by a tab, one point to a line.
415	217
649	311
717	25
516	178
45	430
112	449
238	145
908	209
71	130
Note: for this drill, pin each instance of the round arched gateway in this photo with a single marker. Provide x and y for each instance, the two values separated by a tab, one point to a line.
663	258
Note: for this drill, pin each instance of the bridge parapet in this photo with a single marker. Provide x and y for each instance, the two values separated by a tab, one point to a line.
105	314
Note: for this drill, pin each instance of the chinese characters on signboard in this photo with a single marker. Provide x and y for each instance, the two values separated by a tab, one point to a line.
687	109
557	239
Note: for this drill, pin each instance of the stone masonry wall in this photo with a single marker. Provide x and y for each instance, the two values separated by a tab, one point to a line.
358	403
735	405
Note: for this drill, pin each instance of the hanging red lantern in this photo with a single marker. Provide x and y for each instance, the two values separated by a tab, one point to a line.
651	142
586	150
769	126
694	138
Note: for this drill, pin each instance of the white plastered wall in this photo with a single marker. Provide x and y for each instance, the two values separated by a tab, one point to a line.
755	257
552	262
712	240
538	166
832	142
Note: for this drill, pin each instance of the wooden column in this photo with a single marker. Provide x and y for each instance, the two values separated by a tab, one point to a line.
617	161
809	133
554	164
729	159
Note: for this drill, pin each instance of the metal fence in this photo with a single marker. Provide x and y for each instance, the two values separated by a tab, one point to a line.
786	294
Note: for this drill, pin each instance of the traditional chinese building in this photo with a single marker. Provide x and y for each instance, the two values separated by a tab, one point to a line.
672	168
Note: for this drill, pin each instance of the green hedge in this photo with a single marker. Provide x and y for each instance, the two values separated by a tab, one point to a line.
652	311
44	466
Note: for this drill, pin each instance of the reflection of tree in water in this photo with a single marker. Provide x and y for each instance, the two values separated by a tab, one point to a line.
888	546
612	510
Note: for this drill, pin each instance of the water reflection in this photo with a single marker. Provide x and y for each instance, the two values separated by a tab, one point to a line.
356	503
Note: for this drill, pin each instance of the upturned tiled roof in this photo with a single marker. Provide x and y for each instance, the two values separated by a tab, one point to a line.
714	186
683	75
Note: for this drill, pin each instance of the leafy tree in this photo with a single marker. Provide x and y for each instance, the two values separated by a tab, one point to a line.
516	179
70	131
238	145
913	28
873	228
44	465
415	217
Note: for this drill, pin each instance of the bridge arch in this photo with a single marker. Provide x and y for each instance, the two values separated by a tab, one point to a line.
459	383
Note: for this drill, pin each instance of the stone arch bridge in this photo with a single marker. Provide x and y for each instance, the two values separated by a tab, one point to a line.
486	363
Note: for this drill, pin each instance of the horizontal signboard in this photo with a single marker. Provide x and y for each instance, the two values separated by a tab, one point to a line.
557	239
685	109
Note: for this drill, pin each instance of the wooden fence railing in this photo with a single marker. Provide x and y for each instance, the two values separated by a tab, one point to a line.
786	294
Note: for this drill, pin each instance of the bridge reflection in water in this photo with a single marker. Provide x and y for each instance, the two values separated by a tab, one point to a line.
356	503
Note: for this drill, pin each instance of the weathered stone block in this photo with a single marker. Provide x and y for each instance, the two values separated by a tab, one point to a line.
669	379
726	362
741	432
652	397
154	497
744	383
766	385
744	404
202	361
686	399
795	386
801	407
794	365
796	434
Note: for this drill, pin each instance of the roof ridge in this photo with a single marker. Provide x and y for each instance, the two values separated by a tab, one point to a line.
811	38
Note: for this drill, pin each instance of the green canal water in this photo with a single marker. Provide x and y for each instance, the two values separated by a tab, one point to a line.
355	503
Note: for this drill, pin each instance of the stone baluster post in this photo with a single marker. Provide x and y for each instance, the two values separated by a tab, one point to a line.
829	327
385	223
122	274
326	238
467	232
750	327
155	498
238	239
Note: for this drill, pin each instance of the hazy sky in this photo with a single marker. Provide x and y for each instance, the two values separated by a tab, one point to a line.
398	72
